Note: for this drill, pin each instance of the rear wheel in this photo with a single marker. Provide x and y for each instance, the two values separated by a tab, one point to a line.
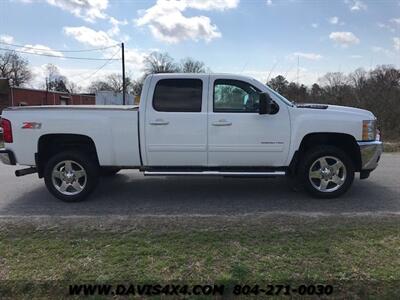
326	172
71	176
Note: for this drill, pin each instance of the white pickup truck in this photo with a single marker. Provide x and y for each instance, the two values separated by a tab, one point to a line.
194	124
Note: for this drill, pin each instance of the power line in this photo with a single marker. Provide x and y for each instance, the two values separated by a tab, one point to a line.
81	50
101	67
57	56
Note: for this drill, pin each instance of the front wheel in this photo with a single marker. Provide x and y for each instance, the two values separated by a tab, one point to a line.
71	176
326	172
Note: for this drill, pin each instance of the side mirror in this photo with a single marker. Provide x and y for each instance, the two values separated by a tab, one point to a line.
265	104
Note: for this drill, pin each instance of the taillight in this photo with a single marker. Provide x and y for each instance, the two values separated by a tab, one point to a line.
7	130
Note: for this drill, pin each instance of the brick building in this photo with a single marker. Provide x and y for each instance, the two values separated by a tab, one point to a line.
17	96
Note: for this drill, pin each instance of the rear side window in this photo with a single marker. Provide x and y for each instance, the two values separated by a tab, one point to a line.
178	95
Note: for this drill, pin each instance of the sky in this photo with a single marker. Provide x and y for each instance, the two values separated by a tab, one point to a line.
300	39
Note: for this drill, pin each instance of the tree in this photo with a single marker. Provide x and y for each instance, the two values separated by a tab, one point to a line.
116	83
190	65
54	80
279	84
316	93
137	85
112	82
98	85
157	62
15	68
336	87
73	88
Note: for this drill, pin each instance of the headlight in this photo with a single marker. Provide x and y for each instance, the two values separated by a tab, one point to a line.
369	130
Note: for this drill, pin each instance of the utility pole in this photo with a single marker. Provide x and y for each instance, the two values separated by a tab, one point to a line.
298	87
123	74
47	89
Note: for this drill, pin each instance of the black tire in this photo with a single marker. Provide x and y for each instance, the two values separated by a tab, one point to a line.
78	158
109	171
331	153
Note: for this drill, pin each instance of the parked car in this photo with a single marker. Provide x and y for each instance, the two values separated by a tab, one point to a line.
194	124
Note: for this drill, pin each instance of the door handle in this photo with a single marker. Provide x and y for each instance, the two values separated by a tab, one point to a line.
159	122
222	123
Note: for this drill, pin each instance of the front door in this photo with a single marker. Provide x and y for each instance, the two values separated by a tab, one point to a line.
176	121
238	134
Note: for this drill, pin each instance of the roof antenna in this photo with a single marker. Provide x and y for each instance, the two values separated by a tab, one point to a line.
272	69
244	66
298	64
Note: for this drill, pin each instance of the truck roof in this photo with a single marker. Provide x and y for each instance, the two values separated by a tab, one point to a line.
189	75
80	107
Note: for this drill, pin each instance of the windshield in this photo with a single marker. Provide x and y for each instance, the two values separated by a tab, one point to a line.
280	97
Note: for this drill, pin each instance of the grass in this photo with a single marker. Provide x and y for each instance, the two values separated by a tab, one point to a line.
391	146
347	252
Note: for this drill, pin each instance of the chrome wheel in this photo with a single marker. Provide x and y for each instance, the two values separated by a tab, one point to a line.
69	177
327	174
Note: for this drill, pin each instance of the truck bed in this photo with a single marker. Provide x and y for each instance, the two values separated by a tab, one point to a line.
113	129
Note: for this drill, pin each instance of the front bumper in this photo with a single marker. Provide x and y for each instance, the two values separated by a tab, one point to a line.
370	154
7	157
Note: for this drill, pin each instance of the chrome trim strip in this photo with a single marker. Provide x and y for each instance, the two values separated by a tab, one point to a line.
214	173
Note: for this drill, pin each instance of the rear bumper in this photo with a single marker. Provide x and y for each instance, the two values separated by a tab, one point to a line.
370	154
7	157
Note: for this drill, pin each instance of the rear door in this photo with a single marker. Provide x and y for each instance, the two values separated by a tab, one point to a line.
176	121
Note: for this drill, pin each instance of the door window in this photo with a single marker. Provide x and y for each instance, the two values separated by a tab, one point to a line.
178	95
235	96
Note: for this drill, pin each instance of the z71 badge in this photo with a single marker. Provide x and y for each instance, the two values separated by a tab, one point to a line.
31	125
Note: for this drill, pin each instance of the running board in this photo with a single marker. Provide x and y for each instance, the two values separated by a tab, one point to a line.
215	173
24	172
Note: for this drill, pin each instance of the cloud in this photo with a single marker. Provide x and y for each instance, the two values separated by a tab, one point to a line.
81	76
115	26
88	36
89	10
40	49
385	26
384	51
305	76
334	20
396	43
269	2
356	5
314	25
310	56
5	38
34	49
211	4
344	39
395	21
167	22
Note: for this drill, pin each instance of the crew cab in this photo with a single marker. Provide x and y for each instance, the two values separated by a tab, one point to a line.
194	124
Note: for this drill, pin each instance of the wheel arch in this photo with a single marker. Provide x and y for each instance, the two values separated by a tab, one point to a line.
343	141
51	144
